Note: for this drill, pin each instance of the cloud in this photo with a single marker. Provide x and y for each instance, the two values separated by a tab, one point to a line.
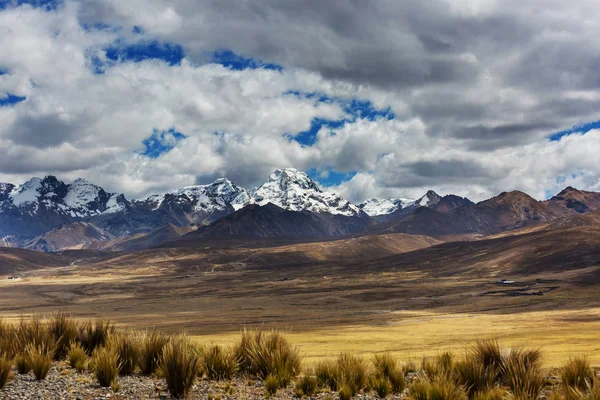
381	99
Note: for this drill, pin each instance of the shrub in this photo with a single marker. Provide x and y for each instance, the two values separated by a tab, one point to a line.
39	357
179	366
95	335
105	364
220	363
473	376
78	358
128	351
382	386
152	346
5	366
576	374
524	381
306	385
262	354
271	385
64	331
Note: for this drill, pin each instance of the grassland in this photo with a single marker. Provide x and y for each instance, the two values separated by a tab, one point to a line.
385	293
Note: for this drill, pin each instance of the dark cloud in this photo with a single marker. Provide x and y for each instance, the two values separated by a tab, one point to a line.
42	131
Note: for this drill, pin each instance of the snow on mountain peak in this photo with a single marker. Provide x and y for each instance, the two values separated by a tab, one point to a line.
293	190
26	193
374	207
81	193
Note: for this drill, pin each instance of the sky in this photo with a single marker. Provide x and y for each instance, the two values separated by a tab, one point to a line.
372	99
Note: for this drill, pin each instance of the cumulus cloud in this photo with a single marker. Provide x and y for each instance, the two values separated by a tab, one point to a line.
474	88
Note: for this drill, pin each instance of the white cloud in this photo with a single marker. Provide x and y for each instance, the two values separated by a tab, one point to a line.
474	88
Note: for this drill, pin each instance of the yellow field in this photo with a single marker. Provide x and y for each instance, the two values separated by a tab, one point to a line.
560	335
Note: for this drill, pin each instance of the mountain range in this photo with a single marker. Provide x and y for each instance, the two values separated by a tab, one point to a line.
46	214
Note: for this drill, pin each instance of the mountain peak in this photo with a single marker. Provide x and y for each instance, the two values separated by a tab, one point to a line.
293	190
429	199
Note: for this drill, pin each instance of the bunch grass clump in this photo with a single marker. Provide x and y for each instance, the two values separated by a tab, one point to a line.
64	331
576	374
179	365
93	335
442	388
151	350
78	358
220	363
306	385
105	364
128	351
5	367
39	358
263	354
271	385
524	380
387	368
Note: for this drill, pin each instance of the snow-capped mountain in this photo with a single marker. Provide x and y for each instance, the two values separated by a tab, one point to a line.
203	204
382	207
293	190
375	207
48	205
41	204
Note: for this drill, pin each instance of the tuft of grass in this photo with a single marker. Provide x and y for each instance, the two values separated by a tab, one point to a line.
387	367
525	382
438	389
325	373
105	364
179	365
262	354
306	386
93	335
382	386
5	366
220	363
488	353
346	393
384	364
77	357
152	346
64	330
271	385
351	372
127	348
347	370
39	358
473	376
32	331
22	365
576	374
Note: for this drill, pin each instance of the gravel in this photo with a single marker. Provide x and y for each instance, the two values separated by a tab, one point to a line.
64	383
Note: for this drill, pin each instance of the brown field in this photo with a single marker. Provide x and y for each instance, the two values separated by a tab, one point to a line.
376	293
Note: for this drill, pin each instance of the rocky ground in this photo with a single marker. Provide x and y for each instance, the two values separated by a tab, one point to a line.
63	383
